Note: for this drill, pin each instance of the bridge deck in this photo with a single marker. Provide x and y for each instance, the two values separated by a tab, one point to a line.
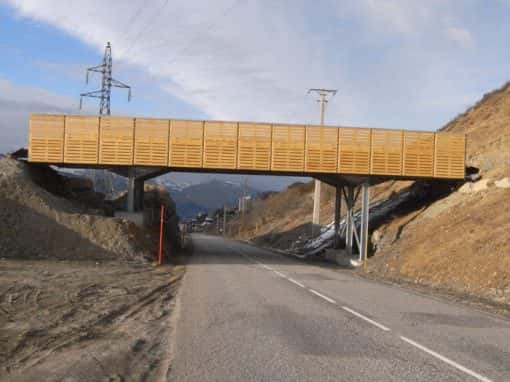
265	148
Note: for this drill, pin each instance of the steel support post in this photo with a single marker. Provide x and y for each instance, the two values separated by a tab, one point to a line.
349	223
365	204
338	208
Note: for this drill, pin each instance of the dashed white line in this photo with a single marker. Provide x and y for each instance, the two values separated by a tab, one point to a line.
295	282
280	274
266	267
446	360
322	296
366	319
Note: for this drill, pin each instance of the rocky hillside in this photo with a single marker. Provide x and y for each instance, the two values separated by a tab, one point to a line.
459	243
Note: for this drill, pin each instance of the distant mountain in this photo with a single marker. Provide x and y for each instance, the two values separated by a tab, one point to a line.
190	198
208	196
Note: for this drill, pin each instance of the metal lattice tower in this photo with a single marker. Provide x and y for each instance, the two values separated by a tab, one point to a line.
104	94
107	82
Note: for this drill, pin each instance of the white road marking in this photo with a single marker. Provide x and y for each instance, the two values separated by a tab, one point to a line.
366	319
266	267
280	274
322	296
295	282
446	360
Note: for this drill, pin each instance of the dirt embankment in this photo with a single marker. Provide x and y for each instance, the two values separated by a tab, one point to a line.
79	297
461	243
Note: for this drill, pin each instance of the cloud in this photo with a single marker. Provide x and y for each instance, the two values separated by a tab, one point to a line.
255	60
461	37
16	104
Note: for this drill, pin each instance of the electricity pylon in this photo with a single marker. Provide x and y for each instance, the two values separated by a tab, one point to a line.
107	82
104	94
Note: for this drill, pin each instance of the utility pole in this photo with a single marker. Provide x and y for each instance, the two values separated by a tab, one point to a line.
104	94
225	221
242	206
323	95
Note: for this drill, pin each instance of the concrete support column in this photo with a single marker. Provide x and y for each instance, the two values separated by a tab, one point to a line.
365	204
134	191
338	208
139	193
131	190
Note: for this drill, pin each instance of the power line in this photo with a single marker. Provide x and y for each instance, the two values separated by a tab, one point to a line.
146	27
210	26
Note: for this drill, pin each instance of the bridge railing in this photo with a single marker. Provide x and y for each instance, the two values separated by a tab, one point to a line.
264	147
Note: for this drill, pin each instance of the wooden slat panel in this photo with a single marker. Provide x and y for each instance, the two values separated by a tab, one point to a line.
186	143
116	140
81	139
449	159
288	148
46	138
386	155
220	145
321	149
151	141
418	154
353	150
254	152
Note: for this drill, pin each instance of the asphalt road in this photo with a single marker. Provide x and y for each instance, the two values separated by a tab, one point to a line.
247	314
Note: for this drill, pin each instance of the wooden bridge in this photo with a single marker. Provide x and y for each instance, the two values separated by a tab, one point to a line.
244	147
349	158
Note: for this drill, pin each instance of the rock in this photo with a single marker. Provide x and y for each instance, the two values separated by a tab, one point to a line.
503	183
469	188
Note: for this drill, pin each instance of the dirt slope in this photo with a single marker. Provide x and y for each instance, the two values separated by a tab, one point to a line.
79	298
462	242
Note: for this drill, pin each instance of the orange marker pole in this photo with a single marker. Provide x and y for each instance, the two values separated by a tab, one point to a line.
160	253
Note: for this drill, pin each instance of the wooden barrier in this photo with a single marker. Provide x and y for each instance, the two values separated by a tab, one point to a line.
245	146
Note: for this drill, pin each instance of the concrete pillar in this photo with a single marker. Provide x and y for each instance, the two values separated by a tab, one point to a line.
139	194
131	190
365	204
338	208
134	191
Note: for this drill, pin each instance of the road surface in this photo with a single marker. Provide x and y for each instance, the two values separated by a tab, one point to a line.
247	314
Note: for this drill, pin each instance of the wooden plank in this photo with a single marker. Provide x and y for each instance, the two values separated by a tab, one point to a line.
116	145
449	158
321	151
220	145
254	152
151	141
81	139
418	154
46	138
186	143
354	150
288	148
386	154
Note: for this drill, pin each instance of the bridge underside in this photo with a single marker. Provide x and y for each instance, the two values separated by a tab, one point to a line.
350	188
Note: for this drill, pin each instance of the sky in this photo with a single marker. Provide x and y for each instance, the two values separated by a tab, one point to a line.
407	64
